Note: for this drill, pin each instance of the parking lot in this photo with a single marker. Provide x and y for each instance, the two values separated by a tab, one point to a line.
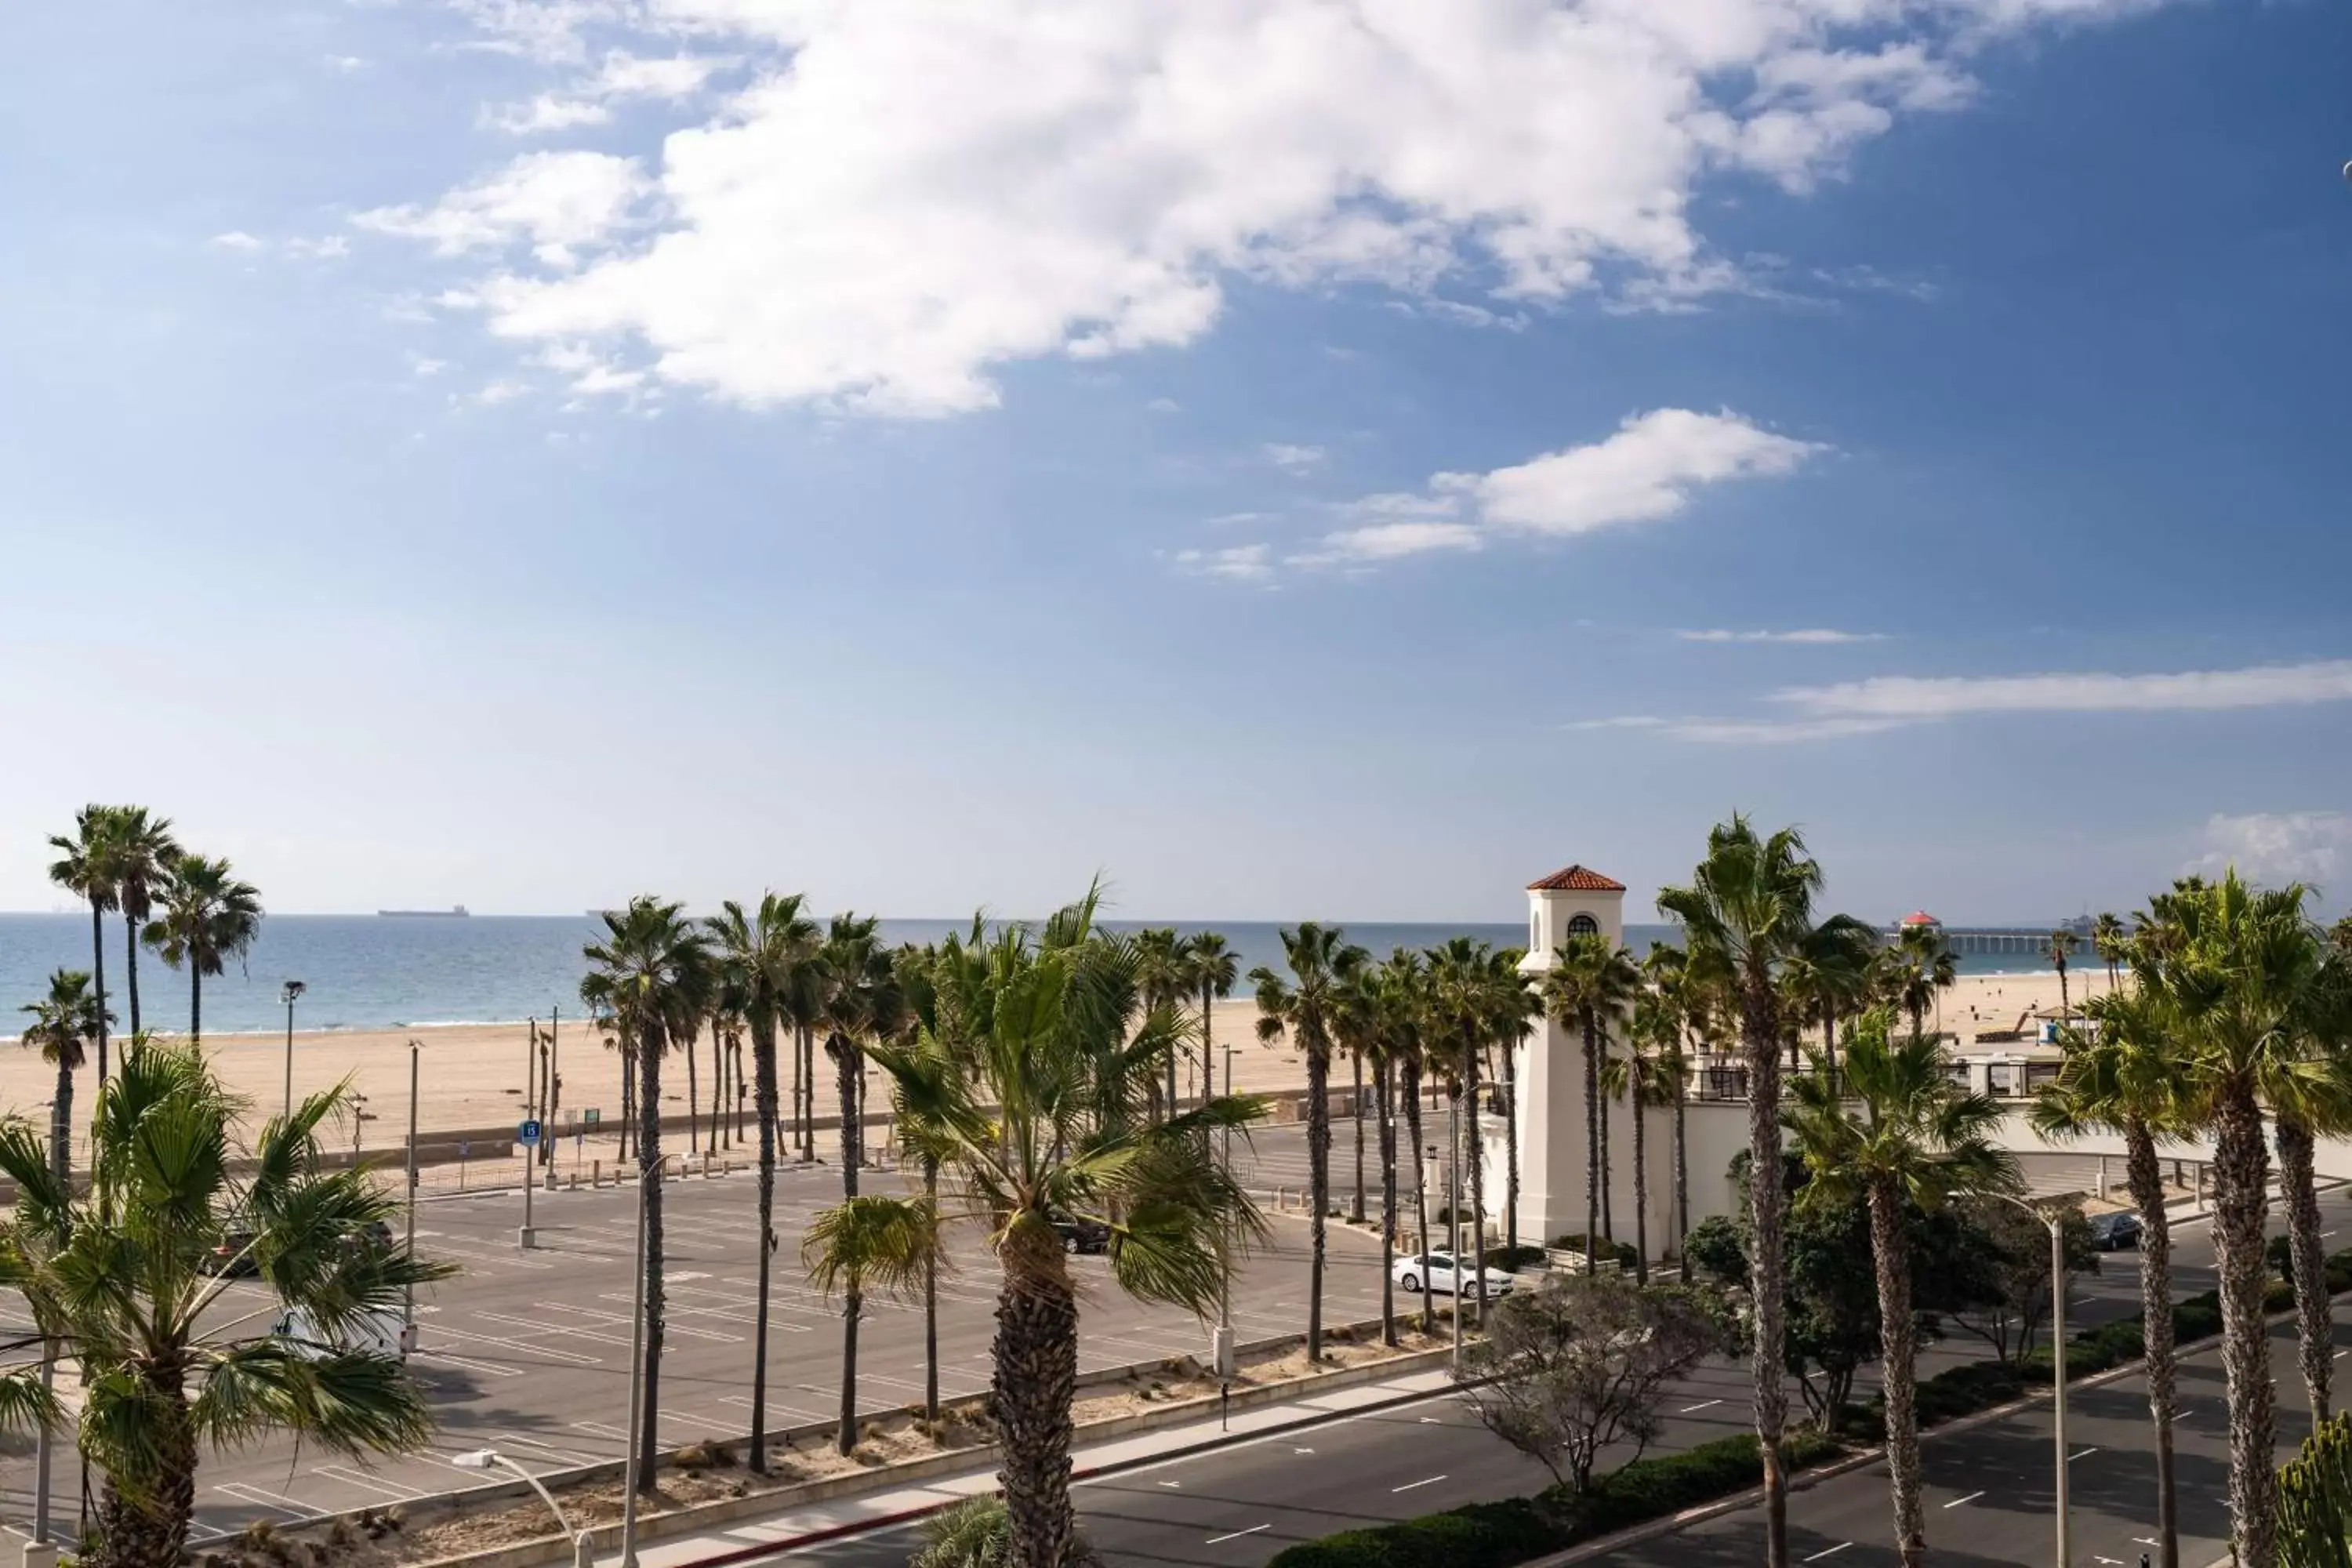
529	1352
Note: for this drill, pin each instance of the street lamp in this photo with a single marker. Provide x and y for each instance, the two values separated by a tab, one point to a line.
290	993
631	1478
583	1554
2053	1219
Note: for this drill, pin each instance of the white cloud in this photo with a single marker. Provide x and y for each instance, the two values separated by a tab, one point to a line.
343	64
1645	471
327	248
425	365
1236	563
904	195
1164	405
2274	847
1887	703
238	240
1290	458
555	202
1803	635
623	78
1237	518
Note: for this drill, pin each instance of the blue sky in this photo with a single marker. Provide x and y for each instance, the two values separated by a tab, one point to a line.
1276	452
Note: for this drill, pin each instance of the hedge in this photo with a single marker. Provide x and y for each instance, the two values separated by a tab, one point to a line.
1621	1251
1499	1534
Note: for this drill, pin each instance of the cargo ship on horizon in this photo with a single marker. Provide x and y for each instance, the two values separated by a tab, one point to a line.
454	912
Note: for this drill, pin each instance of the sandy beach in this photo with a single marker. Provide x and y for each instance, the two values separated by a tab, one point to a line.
473	1077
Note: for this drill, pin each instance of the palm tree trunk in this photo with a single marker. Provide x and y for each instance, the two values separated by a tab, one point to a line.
1318	1182
853	1302
1591	1147
97	970
650	1177
2240	1173
1899	1349
1682	1187
838	1049
1356	1109
2145	1178
931	1297
1381	1085
1641	1183
131	969
1477	1153
196	999
1208	1048
2302	1195
628	1101
152	1531
763	1071
1511	1147
1828	1043
1419	1188
795	1134
61	1126
1767	1206
1035	1378
693	1096
1608	1208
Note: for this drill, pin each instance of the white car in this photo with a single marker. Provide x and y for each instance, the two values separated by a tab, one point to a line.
1438	1268
375	1332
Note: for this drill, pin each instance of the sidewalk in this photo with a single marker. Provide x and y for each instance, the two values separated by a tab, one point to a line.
747	1539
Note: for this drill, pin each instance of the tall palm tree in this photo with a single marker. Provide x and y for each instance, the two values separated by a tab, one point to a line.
1053	1119
1590	983
1749	907
1512	1007
1463	976
143	853
1914	1140
2124	1076
653	970
1160	982
808	984
863	1002
121	1280
2237	969
85	868
756	953
1830	976
861	1244
1655	1076
1665	971
1404	1012
208	918
2108	940
2304	1108
2063	942
1305	1007
1211	971
1356	1027
64	1024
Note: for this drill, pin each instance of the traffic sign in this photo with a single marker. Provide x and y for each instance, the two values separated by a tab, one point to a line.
591	1116
528	1132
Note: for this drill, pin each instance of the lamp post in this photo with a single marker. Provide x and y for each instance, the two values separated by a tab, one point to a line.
408	1311
636	1388
2053	1219
1454	1217
290	993
582	1554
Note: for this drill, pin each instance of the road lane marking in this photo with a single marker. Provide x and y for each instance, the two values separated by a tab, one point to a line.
1411	1485
2083	1455
1958	1500
1702	1405
351	1478
1237	1534
1173	1486
1832	1551
260	1497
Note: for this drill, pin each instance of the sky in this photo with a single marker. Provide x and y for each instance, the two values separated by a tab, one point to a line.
1291	457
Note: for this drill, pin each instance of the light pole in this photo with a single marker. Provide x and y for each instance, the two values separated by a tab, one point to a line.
2053	1219
1224	1348
582	1554
408	1313
636	1388
290	993
1454	1217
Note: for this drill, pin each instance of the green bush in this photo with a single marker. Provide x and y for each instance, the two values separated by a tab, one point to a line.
1622	1251
1481	1535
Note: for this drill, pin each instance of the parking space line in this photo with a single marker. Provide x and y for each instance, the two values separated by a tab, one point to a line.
261	1497
1958	1500
564	1455
351	1478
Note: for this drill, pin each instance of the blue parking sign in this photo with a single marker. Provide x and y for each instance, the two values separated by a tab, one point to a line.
528	1132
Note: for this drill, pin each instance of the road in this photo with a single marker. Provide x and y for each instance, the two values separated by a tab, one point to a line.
1989	1498
528	1351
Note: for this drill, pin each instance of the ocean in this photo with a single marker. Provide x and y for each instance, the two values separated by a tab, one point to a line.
367	972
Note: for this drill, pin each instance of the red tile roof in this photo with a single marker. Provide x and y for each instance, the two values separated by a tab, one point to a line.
1577	879
1920	918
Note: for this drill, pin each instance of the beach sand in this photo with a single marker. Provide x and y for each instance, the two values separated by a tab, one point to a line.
471	1078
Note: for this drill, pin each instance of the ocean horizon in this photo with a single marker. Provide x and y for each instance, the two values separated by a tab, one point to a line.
372	971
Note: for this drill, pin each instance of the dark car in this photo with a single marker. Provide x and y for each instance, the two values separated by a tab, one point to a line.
233	1256
1082	1235
2112	1231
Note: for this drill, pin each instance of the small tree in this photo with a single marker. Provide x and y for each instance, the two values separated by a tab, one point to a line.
1584	1361
2000	1278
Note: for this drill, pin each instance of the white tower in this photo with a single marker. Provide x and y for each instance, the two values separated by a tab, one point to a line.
1568	903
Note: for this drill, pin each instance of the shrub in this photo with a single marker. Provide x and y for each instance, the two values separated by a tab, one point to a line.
1511	1257
1622	1251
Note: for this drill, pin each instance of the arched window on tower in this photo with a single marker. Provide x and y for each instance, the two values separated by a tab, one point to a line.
1583	925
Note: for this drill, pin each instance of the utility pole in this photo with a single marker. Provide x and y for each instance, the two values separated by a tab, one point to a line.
408	1312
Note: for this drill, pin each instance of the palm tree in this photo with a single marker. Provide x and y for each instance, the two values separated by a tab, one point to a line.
1590	983
1404	1011
1830	976
1654	1073
808	982
1357	1026
1916	1139
756	954
1749	908
1675	993
1053	1119
863	1003
165	1372
654	971
866	1243
63	1023
1512	1006
86	868
1211	971
2304	1107
1161	981
2063	942
209	917
2109	941
1463	977
2237	969
2125	1078
1307	1009
143	852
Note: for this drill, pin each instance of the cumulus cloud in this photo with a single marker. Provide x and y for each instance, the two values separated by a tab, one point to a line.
2278	847
1887	702
1804	635
1648	470
903	195
623	78
552	201
1290	458
1235	563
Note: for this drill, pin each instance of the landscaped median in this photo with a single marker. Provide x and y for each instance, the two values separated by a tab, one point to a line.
704	1486
1520	1529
